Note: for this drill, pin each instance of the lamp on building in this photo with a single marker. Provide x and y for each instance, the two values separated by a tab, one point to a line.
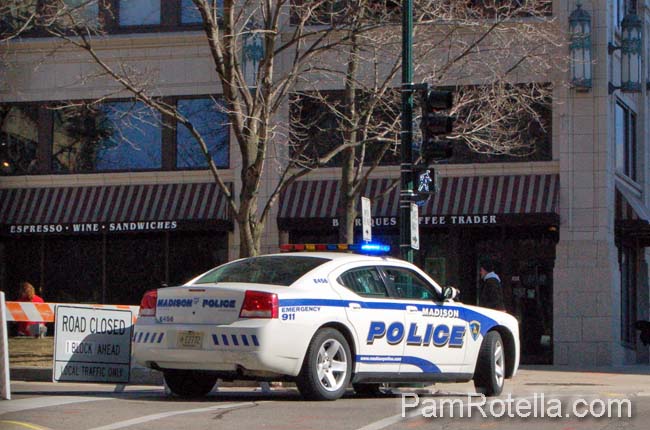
252	55
631	37
580	31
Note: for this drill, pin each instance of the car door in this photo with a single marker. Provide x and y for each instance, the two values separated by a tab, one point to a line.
377	323
435	330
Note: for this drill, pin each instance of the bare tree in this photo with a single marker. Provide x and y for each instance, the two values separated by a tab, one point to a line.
486	49
284	33
495	55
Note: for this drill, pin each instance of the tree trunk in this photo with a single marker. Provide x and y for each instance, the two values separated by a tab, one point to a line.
250	226
350	218
250	239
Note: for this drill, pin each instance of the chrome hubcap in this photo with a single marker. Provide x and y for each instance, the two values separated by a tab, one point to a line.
332	365
499	363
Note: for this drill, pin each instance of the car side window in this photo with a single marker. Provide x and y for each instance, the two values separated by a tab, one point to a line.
407	284
365	281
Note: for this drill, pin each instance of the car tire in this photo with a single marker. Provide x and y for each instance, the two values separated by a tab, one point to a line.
369	390
327	366
489	375
189	383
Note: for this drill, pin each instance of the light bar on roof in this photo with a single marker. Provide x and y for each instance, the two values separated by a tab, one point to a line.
362	248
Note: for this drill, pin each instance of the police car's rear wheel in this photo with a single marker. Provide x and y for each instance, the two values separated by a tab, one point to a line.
189	383
489	376
327	367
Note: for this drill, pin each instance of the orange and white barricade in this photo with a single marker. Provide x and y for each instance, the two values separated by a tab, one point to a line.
44	312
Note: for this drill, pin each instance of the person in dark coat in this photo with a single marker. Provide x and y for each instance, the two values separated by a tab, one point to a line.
491	290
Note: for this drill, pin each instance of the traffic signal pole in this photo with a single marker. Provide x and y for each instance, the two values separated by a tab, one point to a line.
406	147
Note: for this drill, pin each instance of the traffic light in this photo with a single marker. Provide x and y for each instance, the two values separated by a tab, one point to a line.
436	125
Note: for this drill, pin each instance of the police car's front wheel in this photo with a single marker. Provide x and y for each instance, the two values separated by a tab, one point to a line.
189	383
326	370
489	376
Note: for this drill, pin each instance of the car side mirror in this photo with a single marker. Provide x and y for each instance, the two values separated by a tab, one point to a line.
450	293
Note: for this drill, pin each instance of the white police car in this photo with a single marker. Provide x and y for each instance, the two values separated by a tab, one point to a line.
323	320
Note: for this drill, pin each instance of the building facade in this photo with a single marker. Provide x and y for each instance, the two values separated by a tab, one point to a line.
567	228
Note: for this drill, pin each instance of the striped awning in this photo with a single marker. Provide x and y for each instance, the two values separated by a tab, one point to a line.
114	208
320	199
478	195
629	207
460	200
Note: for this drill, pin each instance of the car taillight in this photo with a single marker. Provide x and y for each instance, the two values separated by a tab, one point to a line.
258	304
148	304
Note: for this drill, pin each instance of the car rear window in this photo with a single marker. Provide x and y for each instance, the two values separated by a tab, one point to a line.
273	270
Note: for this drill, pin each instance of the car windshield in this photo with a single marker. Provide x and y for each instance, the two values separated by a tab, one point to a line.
273	270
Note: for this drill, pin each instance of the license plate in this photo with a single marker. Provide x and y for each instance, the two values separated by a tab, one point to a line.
190	339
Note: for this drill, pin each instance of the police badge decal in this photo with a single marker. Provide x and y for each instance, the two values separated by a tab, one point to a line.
475	329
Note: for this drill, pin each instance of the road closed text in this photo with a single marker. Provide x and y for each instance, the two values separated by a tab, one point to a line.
93	325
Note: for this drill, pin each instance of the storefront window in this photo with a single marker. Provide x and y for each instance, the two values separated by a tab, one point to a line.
209	119
97	269
109	136
191	254
134	264
67	255
139	12
22	258
18	139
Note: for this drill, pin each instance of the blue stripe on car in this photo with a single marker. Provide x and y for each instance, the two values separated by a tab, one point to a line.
465	314
424	365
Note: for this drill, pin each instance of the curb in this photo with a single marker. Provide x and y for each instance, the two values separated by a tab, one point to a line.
139	376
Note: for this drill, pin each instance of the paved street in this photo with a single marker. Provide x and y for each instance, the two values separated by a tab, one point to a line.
64	406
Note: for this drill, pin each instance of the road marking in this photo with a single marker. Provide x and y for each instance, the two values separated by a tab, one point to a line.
382	424
388	421
153	417
22	424
43	402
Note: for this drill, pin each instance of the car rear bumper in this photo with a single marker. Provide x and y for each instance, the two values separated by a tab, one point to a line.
252	346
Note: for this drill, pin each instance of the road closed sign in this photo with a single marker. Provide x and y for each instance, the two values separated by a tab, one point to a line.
92	344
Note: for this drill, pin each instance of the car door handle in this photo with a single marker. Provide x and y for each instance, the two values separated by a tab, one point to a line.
411	309
354	306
